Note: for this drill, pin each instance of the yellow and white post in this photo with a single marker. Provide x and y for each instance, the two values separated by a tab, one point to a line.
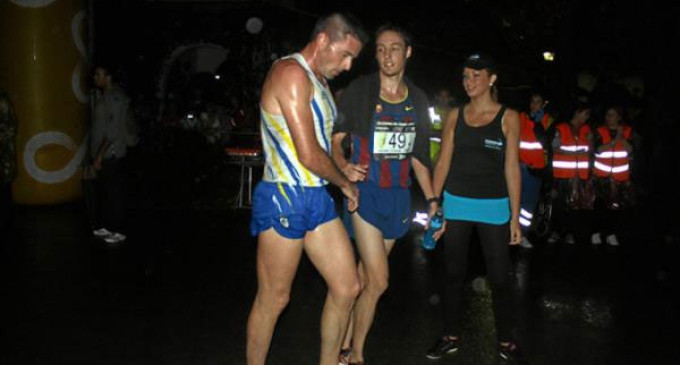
43	68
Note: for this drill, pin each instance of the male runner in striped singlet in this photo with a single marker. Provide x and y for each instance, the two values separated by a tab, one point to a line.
292	211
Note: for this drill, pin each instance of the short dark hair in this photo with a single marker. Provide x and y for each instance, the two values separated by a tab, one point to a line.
618	109
537	93
390	27
578	106
112	69
340	25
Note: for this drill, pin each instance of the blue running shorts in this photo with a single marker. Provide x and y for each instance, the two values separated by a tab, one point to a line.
291	210
388	209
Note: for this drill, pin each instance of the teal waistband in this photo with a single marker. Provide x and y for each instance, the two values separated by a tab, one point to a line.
491	211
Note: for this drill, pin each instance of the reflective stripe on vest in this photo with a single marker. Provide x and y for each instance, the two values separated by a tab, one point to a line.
530	145
612	154
531	151
574	148
525	217
611	169
576	164
614	161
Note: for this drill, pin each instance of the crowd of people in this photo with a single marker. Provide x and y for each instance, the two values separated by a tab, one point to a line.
591	171
486	166
575	174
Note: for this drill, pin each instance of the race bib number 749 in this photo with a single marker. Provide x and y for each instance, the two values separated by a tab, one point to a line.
393	140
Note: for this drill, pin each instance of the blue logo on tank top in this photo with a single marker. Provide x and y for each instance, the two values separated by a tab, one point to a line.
493	144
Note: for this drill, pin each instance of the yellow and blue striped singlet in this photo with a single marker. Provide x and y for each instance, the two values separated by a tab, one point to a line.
281	159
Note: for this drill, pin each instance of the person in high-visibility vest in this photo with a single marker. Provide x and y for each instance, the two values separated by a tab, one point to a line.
532	156
443	101
611	170
572	146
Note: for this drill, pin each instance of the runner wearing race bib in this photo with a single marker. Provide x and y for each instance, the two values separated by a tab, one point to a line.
394	131
386	119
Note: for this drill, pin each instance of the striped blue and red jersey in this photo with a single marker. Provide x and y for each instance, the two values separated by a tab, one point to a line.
393	128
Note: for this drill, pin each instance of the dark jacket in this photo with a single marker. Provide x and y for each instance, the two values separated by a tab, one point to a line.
356	108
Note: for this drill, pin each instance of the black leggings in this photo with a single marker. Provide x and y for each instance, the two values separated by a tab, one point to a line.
495	247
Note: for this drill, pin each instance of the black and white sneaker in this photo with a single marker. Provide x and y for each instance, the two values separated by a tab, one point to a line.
102	232
114	240
443	346
511	353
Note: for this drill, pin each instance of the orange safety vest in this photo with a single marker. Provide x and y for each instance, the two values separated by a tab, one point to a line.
531	152
613	161
547	121
572	165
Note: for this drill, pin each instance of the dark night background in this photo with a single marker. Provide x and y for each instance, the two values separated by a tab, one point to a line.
607	53
607	39
180	288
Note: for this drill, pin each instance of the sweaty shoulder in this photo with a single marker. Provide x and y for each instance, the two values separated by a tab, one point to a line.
288	72
286	81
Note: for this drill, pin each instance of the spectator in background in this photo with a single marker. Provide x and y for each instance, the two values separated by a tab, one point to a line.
572	146
611	170
443	102
532	156
8	158
108	148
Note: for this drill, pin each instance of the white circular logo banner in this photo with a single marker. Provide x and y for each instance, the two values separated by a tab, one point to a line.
55	138
33	3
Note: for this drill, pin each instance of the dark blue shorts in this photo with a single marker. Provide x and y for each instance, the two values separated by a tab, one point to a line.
291	210
388	209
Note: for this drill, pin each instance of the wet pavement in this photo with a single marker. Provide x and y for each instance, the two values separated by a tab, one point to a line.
179	290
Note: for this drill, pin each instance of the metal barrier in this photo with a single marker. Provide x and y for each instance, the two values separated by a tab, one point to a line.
246	159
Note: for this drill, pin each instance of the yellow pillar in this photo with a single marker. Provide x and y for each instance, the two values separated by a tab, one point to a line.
43	60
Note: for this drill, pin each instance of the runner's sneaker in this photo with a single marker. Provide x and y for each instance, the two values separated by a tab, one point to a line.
511	353
569	239
343	358
102	232
443	346
612	241
115	239
596	239
525	243
554	237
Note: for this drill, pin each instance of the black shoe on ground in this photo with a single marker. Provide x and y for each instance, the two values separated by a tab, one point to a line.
443	346
343	358
511	353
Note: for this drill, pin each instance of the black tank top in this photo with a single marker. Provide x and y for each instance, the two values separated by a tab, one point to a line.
478	163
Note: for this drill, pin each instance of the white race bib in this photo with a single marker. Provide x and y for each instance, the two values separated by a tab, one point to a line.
393	140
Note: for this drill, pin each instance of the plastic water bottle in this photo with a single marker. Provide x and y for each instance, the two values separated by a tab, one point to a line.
436	223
